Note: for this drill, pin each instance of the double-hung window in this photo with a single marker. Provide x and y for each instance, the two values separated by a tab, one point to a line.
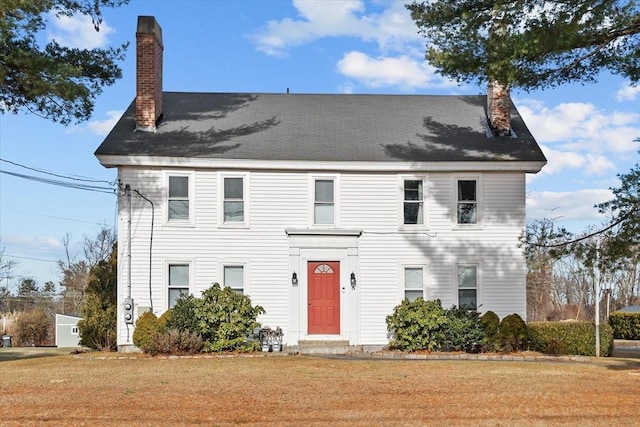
234	277
234	200
324	202
468	286
413	282
467	201
178	282
178	198
413	204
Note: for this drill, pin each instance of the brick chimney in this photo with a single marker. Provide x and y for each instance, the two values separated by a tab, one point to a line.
148	73
499	108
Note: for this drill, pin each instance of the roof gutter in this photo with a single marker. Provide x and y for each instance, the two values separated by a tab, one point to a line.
506	165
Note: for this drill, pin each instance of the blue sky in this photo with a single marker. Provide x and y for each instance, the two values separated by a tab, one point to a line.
324	46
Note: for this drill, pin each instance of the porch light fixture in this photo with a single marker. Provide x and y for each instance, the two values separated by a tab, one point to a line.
353	280
294	279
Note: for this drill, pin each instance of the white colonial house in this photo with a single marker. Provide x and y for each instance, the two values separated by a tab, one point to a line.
327	210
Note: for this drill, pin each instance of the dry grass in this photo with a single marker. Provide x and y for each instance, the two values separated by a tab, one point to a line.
295	390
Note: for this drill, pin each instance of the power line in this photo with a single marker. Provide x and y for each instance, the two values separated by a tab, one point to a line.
56	175
55	217
30	258
59	183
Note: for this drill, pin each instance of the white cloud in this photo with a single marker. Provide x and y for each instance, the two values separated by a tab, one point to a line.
78	32
30	244
398	50
400	71
628	93
103	127
567	206
338	18
98	127
579	135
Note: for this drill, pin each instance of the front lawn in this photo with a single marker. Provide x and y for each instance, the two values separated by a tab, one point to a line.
297	390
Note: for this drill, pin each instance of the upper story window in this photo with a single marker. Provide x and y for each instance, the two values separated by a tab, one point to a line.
233	204
468	286
234	277
178	283
413	282
178	200
413	205
467	201
324	202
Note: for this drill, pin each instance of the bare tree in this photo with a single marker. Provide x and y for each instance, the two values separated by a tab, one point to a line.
75	273
6	265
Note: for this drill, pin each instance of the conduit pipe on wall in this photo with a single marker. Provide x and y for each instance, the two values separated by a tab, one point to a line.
127	189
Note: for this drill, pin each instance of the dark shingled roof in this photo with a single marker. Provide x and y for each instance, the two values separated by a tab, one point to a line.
310	127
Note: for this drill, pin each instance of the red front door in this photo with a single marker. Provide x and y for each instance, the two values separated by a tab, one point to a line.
324	298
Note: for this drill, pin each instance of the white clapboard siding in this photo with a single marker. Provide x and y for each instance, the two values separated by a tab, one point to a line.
283	200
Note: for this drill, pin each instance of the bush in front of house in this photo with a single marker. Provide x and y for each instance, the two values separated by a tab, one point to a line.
417	325
490	324
512	333
183	314
147	326
424	325
570	338
173	341
222	320
463	330
626	326
226	320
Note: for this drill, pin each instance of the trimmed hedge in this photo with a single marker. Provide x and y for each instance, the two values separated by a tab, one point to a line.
626	326
572	338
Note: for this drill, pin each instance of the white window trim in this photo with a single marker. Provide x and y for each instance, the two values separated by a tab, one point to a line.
412	264
425	210
478	266
245	198
74	330
165	287
190	222
336	199
479	201
235	263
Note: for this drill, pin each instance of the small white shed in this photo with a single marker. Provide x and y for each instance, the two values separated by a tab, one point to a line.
67	334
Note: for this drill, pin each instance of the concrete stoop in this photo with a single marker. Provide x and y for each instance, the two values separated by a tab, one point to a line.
320	347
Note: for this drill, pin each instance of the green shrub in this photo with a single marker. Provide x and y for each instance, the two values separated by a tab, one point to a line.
173	341
183	314
147	326
463	331
490	324
226	320
626	326
417	325
97	328
512	333
574	338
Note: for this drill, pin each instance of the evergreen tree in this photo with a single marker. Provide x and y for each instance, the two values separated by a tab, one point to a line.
530	44
56	82
99	309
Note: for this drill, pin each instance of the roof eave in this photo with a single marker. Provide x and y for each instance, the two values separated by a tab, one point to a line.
110	161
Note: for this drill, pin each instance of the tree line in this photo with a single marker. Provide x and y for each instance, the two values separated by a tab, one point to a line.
87	287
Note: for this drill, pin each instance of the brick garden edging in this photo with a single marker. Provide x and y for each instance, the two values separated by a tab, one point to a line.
360	355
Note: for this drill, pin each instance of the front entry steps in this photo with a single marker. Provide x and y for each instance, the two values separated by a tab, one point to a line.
321	347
